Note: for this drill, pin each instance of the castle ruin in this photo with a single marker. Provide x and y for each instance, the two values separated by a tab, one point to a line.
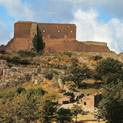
57	37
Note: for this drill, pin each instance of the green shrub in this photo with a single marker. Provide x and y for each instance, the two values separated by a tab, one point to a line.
97	57
85	112
18	60
39	70
68	54
20	90
67	78
35	92
15	60
63	67
3	52
48	74
107	66
26	53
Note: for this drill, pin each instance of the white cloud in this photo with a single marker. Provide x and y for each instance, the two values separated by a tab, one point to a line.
89	28
18	9
109	6
86	18
4	33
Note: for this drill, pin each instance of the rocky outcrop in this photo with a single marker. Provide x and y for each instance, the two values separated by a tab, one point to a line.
18	75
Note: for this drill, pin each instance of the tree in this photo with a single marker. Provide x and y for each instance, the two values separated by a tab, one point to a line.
112	78
76	110
40	43
47	109
20	105
19	110
107	66
111	106
37	41
64	115
80	74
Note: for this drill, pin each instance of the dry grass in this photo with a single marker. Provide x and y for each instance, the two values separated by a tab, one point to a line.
88	119
90	91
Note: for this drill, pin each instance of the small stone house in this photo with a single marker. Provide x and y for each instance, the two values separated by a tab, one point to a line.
90	102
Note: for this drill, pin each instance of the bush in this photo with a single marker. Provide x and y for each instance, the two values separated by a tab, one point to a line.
48	74
97	57
26	53
39	70
3	51
67	78
7	58
64	115
20	90
85	112
107	66
35	92
113	78
68	54
63	67
15	60
80	73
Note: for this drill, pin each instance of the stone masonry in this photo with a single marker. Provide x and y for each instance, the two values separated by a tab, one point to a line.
57	37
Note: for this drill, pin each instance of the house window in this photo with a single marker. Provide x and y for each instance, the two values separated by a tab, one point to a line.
84	103
71	31
68	26
58	30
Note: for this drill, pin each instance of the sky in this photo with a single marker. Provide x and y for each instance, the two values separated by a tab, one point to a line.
96	20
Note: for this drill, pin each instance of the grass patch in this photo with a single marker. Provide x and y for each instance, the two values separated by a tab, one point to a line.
89	91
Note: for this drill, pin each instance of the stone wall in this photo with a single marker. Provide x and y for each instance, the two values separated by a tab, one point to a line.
58	31
18	44
75	46
24	33
57	37
22	29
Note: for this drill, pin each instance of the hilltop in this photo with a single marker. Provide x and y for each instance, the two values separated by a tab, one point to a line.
57	37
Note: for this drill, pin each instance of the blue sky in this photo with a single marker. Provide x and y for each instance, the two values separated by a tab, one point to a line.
96	20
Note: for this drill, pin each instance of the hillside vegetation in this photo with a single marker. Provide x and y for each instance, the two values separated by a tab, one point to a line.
40	78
